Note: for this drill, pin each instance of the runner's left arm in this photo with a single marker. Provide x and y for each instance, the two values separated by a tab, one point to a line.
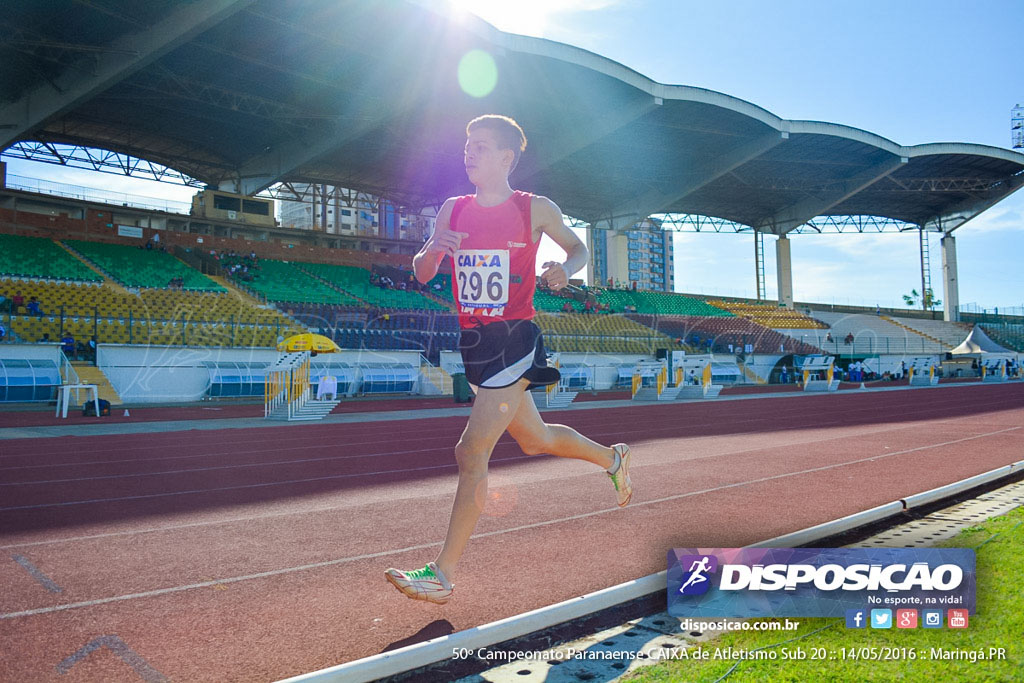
547	219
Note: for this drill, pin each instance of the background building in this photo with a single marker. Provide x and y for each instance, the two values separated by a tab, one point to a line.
640	254
338	211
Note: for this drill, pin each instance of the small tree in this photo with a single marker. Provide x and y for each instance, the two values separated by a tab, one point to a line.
928	301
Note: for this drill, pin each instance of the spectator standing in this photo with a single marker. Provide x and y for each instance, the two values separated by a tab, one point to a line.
17	303
33	307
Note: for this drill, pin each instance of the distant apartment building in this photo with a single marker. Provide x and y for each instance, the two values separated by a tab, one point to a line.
641	254
359	215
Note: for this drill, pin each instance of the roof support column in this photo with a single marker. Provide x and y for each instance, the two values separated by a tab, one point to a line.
950	288
784	271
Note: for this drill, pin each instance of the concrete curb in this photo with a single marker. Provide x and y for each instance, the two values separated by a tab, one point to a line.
439	649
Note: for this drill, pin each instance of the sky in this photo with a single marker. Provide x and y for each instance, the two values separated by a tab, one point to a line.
911	71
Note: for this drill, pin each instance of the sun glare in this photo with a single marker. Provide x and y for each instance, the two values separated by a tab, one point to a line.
525	17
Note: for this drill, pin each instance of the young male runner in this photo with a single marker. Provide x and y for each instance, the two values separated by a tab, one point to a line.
492	237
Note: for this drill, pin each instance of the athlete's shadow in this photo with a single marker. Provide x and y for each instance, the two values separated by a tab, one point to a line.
435	629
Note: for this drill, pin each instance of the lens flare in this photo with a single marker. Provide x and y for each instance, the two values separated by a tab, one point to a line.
478	74
501	500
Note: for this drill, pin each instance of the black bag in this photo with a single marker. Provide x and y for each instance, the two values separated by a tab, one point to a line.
90	408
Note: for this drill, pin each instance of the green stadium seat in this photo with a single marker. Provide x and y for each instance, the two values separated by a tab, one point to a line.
41	258
134	267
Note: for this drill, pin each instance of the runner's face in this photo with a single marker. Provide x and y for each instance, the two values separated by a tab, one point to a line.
485	162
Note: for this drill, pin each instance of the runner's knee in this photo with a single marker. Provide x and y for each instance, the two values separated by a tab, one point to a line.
472	459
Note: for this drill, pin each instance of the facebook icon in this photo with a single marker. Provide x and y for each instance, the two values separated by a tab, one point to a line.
856	618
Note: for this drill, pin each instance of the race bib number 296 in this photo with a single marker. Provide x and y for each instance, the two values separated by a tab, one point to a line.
482	277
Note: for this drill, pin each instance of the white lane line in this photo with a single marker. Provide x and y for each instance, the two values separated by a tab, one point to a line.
774	417
234	488
742	451
620	434
331	508
349	476
499	532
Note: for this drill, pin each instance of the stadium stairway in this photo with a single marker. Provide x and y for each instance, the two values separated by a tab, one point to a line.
310	412
249	299
107	277
107	280
447	303
90	374
333	286
911	329
750	374
439	378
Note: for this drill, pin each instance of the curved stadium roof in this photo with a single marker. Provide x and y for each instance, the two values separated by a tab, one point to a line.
363	95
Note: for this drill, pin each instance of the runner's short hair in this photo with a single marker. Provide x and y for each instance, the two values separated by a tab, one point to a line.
509	133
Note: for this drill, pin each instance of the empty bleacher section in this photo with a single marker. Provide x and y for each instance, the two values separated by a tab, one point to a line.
280	281
861	334
150	317
949	334
36	257
719	332
770	315
659	303
1008	335
544	300
426	331
356	282
574	332
135	267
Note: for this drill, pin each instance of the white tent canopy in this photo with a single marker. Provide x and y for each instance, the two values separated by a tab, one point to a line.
978	342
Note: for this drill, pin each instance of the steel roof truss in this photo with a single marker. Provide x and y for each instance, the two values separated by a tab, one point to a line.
799	213
700	175
99	72
960	213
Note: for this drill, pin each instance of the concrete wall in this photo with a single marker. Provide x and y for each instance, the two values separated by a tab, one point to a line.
167	374
31	351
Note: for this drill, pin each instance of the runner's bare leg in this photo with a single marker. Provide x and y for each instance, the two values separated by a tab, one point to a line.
535	437
492	411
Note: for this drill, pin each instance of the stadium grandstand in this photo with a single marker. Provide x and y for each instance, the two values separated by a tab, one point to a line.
222	272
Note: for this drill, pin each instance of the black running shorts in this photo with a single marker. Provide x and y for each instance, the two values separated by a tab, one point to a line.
499	354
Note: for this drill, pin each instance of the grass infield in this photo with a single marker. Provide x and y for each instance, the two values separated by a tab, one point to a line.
884	654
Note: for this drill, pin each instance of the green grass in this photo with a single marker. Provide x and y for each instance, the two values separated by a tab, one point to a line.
997	623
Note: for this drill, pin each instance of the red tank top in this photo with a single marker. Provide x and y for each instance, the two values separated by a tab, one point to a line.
494	273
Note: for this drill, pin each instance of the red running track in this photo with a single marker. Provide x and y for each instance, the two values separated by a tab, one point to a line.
258	554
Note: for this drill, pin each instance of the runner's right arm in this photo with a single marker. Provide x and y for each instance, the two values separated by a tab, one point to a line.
444	242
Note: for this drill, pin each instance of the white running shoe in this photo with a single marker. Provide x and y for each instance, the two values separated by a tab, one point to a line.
427	584
623	484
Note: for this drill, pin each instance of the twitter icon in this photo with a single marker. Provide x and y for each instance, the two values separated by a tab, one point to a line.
881	618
